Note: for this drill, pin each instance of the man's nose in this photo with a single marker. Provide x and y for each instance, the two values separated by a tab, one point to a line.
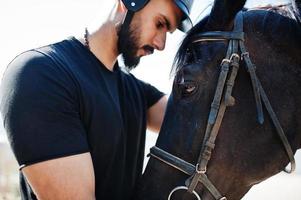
159	41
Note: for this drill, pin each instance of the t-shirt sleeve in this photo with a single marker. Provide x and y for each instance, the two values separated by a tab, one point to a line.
39	107
152	94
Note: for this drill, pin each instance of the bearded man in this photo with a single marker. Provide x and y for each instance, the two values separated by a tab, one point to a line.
75	120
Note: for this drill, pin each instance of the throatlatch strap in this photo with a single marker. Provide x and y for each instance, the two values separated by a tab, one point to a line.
279	129
251	69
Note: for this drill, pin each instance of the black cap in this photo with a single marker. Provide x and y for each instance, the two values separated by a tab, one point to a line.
183	5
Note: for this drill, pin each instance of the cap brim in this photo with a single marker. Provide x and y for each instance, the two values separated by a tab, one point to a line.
186	23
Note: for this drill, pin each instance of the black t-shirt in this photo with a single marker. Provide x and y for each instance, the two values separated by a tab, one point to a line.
60	100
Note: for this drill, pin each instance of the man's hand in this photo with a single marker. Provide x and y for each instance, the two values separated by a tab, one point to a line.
66	178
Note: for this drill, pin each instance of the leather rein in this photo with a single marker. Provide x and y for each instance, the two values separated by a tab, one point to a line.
222	99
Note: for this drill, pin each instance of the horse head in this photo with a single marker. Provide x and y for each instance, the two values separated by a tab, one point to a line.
247	149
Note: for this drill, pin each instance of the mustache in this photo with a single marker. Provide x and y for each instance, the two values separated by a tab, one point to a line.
148	48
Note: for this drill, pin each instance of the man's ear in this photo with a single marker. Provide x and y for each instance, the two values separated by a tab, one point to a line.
222	14
121	14
121	7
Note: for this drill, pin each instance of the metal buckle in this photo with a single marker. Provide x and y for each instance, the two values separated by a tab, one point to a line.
183	188
245	54
200	171
225	61
234	55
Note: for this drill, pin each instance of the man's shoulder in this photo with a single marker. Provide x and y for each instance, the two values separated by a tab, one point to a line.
28	61
33	56
35	65
45	58
44	54
35	74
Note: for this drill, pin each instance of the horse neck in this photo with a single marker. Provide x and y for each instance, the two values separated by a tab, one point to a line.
274	44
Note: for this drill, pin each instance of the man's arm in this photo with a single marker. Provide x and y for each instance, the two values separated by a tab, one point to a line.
43	124
65	178
155	115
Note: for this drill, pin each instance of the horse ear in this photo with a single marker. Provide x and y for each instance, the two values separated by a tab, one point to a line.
297	7
297	3
223	12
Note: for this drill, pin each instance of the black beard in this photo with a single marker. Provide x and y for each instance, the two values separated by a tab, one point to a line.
128	46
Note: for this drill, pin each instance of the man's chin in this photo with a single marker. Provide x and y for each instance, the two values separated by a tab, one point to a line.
131	62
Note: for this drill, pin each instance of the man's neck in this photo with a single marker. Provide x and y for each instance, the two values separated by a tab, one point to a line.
103	41
103	44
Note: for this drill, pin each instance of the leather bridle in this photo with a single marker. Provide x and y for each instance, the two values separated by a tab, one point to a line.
222	99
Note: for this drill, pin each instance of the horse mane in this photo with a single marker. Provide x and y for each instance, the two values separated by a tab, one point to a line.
286	10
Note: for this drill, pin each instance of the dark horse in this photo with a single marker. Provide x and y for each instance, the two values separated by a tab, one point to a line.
248	148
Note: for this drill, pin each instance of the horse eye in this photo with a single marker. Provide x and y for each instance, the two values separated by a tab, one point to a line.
188	88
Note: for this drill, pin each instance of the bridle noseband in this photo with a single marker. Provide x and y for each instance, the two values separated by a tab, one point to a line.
222	99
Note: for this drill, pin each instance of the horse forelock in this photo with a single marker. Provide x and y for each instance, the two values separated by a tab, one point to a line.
182	51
